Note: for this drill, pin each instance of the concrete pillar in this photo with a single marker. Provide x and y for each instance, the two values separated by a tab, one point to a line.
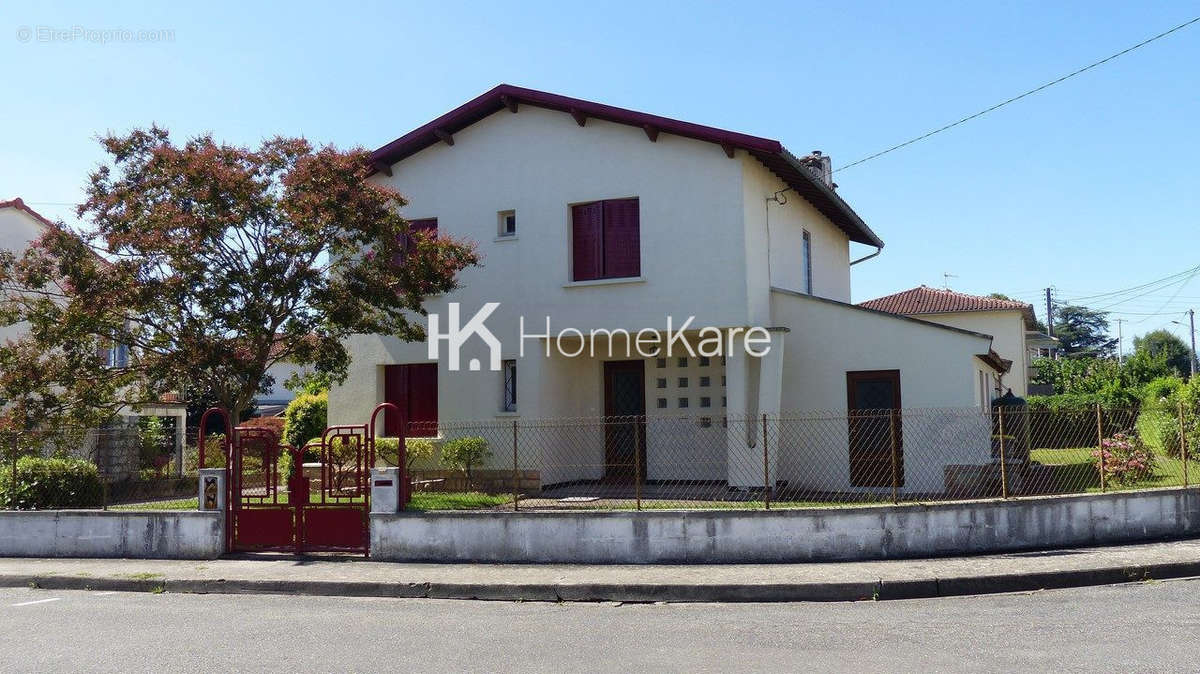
770	397
180	439
385	490
212	489
743	457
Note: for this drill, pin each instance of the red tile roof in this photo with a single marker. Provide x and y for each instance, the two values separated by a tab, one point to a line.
771	153
926	300
20	205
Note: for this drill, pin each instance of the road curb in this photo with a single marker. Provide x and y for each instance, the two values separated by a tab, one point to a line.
915	588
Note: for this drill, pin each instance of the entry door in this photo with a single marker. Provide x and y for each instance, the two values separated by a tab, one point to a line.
874	418
625	426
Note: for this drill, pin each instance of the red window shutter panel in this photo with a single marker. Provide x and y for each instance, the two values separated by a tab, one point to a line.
622	239
424	225
422	400
587	240
395	391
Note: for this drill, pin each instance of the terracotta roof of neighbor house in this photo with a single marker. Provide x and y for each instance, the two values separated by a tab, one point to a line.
771	153
20	205
926	300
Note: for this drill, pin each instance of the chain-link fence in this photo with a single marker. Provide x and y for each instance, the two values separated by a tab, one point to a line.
809	459
131	462
701	461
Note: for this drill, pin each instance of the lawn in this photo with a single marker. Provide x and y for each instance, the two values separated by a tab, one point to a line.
421	501
1074	471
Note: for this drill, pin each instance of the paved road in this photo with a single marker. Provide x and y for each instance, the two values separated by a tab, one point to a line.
1142	627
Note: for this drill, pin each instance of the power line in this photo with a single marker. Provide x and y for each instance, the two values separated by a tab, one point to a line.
1019	96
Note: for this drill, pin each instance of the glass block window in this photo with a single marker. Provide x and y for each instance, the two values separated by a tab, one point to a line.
706	402
662	403
722	401
683	382
683	403
705	381
660	382
722	380
704	361
661	363
683	362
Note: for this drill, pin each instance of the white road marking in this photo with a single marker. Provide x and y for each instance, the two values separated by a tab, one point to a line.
36	601
102	594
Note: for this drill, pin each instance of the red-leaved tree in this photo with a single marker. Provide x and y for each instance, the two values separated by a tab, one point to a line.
211	262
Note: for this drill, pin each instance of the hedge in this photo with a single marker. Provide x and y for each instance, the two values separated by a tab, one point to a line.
47	484
305	417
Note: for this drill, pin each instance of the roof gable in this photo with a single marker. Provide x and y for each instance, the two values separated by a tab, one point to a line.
926	300
770	152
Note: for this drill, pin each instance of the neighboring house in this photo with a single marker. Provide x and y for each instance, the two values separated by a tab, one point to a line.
605	218
1011	324
273	402
20	226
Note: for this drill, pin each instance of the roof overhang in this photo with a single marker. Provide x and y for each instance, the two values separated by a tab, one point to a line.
994	361
770	152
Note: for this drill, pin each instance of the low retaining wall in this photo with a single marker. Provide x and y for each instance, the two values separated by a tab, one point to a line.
841	534
97	533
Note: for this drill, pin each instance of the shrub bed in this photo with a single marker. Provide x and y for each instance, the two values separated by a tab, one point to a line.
47	484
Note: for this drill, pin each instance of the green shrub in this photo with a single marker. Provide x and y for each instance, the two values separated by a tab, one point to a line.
305	417
465	453
415	450
46	484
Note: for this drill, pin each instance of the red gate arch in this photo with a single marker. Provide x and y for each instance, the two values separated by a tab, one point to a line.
331	514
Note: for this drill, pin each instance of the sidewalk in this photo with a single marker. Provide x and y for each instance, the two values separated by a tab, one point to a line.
898	579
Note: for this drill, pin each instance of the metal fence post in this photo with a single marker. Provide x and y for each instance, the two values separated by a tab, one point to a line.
515	477
12	503
895	457
1003	461
766	467
637	460
1183	444
1100	443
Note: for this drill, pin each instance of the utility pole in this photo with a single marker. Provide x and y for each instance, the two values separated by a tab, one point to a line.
1192	334
1120	342
1049	313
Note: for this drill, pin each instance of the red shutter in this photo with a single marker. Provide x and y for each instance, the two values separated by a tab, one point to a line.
587	240
622	239
422	400
423	225
395	391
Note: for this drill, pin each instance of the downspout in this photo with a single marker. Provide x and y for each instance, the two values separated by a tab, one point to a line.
878	250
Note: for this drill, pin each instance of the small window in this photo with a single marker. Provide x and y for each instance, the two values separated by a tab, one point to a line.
683	402
807	261
660	382
661	363
662	403
509	401
722	380
683	382
704	361
706	402
683	362
705	381
507	223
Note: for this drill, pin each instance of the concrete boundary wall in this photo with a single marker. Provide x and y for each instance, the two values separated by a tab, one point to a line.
843	534
97	533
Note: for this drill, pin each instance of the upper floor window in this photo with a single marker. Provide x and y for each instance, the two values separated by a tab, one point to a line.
605	240
807	261
507	223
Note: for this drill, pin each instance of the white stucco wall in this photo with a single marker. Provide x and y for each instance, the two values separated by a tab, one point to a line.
1007	329
938	369
830	245
17	230
538	162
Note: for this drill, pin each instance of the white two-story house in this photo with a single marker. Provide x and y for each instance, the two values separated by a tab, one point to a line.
598	218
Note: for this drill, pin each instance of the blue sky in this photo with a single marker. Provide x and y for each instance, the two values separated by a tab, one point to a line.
1090	186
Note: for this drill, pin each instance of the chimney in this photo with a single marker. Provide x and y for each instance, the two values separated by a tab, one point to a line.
821	166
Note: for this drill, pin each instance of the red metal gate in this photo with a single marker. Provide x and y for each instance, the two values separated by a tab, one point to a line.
324	507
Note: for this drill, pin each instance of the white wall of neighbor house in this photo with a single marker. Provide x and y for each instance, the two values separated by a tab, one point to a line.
537	163
938	369
17	230
1007	329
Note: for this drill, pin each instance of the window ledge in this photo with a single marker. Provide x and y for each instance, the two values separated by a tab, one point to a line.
604	282
510	237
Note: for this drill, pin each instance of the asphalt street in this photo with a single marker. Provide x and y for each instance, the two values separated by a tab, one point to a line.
1150	626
